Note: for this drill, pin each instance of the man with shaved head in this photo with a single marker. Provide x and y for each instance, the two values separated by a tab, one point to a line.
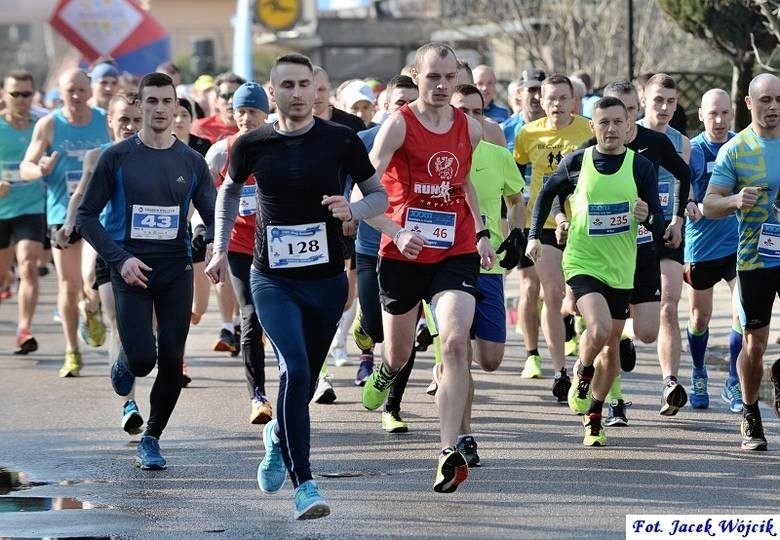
56	153
710	253
745	180
485	81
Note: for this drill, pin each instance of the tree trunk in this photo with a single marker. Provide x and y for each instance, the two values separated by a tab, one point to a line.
742	74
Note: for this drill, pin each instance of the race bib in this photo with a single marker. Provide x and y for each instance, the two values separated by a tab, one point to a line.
72	179
247	206
608	219
710	166
294	246
438	228
663	194
155	222
643	235
769	241
9	171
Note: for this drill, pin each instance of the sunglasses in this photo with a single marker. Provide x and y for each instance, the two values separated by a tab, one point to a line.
25	94
226	97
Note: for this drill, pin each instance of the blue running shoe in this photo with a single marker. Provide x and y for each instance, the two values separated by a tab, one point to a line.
131	418
309	504
148	456
271	473
732	394
121	377
700	399
365	369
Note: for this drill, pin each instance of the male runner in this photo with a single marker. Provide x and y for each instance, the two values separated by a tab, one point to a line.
609	185
104	79
22	204
431	248
150	180
485	81
710	254
221	123
299	287
744	180
59	142
529	86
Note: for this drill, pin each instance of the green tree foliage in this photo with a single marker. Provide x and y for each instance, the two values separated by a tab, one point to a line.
732	27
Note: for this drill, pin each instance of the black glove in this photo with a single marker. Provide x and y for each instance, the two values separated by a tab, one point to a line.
514	245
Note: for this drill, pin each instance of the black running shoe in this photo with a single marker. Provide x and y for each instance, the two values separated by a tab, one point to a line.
776	382
627	354
236	341
468	447
752	433
617	413
674	398
424	339
561	385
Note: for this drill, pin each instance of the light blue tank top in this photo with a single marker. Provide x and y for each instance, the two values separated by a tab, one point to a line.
24	197
666	180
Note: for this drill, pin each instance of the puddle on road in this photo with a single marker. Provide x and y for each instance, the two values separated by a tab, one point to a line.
45	504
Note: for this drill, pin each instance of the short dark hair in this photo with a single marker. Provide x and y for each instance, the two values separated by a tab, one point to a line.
470	90
295	58
619	88
441	49
558	79
400	81
20	75
607	102
155	79
662	80
229	77
122	97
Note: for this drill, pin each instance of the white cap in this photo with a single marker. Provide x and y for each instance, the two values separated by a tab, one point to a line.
357	91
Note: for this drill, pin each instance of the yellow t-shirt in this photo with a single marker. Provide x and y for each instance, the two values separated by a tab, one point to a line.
543	147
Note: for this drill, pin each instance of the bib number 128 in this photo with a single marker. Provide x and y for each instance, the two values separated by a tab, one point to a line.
312	246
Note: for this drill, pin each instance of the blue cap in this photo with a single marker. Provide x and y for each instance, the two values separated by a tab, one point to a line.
101	71
251	95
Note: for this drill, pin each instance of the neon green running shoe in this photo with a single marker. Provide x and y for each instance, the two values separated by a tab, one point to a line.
71	367
362	339
579	393
533	367
92	329
393	423
377	387
595	434
571	347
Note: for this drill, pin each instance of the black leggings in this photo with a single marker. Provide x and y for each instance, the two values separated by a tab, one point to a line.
251	331
168	294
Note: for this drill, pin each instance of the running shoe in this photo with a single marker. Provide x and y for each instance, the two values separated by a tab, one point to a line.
579	393
71	367
377	387
467	446
362	339
43	271
261	412
5	292
571	347
131	418
752	433
122	379
595	434
226	341
148	456
775	378
700	399
92	329
434	386
627	354
561	385
452	470
674	398
423	339
324	393
271	473
25	342
732	394
55	316
393	423
339	355
364	369
309	504
532	368
236	341
185	375
617	413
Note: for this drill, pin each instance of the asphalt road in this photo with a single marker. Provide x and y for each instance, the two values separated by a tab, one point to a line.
538	481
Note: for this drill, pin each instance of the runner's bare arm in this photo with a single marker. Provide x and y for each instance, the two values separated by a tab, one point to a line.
36	163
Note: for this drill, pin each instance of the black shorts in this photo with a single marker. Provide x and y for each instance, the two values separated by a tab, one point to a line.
27	227
102	273
757	291
199	243
74	236
647	276
547	237
617	299
705	274
676	254
402	284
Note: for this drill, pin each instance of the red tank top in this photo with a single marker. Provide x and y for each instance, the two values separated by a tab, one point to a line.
424	182
242	237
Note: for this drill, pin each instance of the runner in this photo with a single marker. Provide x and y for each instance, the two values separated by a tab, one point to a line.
250	109
104	79
711	254
430	248
153	177
485	81
221	123
609	185
529	86
743	181
22	204
59	142
298	281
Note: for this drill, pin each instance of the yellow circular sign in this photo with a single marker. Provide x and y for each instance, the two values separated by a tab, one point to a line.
278	14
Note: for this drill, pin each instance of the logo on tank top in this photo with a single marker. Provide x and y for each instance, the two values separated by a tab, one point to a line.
443	165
